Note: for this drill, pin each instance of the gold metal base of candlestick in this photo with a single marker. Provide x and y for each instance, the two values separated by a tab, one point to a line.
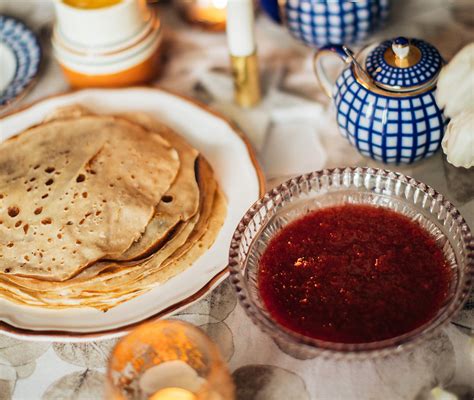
246	80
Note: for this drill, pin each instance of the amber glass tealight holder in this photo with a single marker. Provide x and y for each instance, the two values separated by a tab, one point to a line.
167	360
208	14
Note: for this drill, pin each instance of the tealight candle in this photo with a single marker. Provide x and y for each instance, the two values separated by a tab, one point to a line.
167	360
210	14
242	48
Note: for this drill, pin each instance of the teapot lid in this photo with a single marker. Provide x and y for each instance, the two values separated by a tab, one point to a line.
403	64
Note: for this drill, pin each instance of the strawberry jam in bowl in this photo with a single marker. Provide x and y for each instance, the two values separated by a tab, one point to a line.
351	263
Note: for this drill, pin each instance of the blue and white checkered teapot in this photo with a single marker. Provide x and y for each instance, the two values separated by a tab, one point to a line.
320	22
385	98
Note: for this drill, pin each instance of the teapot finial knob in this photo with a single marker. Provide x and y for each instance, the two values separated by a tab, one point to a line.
401	47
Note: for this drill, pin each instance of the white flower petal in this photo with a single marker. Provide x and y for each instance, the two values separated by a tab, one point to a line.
455	89
458	141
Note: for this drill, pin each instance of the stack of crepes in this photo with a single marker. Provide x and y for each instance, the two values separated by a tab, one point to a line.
96	210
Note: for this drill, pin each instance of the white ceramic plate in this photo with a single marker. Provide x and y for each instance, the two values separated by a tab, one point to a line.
237	172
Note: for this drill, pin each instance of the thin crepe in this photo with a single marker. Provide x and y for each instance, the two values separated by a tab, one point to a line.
81	191
179	203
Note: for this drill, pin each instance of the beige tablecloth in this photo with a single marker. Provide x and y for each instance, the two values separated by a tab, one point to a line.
295	111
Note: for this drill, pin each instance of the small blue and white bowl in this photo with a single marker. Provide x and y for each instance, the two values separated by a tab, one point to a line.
321	22
385	99
20	59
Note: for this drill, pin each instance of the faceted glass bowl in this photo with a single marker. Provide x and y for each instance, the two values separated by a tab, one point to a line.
306	193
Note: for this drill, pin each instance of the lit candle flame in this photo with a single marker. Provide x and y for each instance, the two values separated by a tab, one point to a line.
210	4
221	4
173	394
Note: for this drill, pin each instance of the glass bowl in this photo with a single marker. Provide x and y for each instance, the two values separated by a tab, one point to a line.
303	194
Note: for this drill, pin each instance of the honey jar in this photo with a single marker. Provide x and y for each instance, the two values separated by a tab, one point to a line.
106	43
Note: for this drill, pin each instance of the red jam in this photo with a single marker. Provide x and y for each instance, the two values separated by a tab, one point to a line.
353	274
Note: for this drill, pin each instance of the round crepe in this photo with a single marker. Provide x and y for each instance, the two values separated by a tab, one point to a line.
75	191
179	203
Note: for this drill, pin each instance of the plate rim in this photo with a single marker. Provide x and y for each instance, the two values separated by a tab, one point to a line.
70	335
8	102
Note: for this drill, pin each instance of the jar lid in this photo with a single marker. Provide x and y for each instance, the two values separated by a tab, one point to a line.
403	64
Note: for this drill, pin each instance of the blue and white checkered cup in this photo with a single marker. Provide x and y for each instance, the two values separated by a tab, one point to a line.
321	22
385	98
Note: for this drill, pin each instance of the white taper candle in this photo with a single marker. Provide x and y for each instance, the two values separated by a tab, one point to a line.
240	27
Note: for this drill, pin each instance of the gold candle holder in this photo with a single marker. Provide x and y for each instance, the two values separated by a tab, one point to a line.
208	14
246	76
167	360
243	52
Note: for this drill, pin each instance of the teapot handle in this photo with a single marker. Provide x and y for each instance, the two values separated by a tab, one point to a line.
319	70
